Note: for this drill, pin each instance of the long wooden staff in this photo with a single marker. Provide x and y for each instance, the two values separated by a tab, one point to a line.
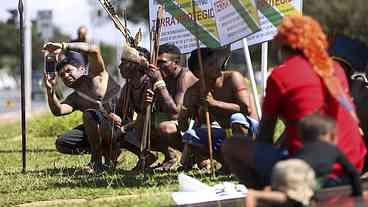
118	23
203	91
155	41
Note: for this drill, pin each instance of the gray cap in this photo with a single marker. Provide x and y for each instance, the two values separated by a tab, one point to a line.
295	178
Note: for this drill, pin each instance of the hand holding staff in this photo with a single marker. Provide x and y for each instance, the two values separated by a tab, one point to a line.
145	141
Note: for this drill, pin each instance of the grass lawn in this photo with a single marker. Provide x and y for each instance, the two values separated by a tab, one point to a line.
54	176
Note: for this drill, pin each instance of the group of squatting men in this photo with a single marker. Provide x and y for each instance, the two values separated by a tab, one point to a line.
175	91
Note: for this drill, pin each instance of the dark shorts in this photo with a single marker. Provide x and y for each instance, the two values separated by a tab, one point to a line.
199	137
74	141
266	156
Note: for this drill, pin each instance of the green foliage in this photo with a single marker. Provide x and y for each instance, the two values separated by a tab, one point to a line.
50	126
9	47
343	17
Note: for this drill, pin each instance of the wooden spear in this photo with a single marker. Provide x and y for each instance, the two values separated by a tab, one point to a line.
145	141
23	100
203	91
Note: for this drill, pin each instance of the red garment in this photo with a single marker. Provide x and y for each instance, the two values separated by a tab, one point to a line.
294	90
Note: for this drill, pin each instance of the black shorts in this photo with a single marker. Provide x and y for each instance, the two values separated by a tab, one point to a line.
74	141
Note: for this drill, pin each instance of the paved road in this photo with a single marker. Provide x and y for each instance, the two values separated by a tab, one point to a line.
10	104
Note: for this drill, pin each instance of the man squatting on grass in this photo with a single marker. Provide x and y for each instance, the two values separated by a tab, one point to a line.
133	67
228	99
171	82
95	94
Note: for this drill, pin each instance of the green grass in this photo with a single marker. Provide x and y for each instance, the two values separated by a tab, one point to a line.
51	175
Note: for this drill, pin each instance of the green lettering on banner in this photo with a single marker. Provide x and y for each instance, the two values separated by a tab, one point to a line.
275	14
287	9
201	32
248	12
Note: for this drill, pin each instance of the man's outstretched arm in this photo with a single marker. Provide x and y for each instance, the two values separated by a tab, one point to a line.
96	63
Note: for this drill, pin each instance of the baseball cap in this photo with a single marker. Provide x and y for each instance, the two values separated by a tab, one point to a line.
295	178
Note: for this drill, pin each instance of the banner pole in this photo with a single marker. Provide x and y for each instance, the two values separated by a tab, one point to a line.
251	77
264	66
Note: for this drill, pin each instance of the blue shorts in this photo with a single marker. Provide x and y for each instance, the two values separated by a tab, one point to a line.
199	136
246	121
266	156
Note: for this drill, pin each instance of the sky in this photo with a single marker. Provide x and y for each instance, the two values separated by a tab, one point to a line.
68	15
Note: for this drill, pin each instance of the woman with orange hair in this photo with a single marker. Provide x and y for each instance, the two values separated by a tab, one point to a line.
307	81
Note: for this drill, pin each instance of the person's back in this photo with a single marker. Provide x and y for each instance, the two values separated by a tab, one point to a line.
318	134
306	92
293	184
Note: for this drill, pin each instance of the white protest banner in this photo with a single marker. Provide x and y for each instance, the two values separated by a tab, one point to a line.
235	19
271	13
219	22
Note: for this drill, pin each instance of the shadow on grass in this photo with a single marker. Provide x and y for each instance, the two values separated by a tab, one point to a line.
114	179
76	177
28	151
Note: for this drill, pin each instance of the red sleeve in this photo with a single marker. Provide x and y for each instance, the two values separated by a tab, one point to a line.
271	103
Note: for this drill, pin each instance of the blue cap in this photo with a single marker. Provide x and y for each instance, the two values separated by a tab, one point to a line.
72	58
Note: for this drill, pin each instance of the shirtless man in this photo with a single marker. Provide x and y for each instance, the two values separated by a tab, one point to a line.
95	94
174	80
228	99
134	68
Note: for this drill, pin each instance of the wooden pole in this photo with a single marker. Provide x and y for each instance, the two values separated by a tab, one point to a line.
145	141
203	91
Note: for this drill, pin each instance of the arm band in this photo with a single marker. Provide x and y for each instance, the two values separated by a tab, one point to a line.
158	85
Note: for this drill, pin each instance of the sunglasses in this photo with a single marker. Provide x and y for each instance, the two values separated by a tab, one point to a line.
125	61
163	62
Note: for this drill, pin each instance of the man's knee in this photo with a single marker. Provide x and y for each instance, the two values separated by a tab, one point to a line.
167	128
61	147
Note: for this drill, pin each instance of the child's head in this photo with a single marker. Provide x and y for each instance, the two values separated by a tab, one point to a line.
317	127
295	178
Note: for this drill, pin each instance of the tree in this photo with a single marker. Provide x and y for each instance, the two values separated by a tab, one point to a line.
9	46
342	17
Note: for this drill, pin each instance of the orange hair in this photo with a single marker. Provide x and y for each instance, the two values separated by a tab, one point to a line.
305	34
